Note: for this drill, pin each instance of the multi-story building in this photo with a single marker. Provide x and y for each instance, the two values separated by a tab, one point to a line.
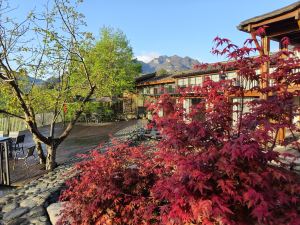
151	86
284	22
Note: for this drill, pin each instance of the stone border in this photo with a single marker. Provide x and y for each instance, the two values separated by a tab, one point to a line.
27	205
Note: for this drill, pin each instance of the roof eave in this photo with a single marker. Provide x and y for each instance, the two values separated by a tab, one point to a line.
243	26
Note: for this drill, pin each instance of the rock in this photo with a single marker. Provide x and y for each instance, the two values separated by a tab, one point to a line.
11	195
4	200
15	213
28	192
44	195
36	190
37	212
9	207
33	220
18	221
54	212
43	219
21	193
38	200
42	186
42	223
28	203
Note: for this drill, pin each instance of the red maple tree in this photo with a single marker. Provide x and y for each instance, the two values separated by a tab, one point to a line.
209	168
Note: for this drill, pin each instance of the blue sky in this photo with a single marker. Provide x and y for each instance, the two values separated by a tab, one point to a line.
169	27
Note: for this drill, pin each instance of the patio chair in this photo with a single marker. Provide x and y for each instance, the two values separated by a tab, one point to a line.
86	117
18	144
13	134
29	153
95	117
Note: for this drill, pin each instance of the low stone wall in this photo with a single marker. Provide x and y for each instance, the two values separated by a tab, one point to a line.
27	205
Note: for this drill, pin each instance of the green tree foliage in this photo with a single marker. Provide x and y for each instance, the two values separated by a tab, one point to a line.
161	72
111	63
59	40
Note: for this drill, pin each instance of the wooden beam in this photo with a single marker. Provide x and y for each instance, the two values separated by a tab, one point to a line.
284	32
289	15
249	28
281	135
297	16
156	82
265	43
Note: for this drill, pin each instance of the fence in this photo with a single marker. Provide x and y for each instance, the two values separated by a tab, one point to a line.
15	124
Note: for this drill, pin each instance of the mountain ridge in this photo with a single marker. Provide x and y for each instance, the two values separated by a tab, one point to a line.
169	63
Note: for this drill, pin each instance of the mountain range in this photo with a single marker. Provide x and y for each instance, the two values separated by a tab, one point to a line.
169	63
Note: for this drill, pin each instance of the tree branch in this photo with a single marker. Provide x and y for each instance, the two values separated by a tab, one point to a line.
11	114
70	126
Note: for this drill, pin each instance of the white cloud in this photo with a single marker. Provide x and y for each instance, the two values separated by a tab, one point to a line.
147	57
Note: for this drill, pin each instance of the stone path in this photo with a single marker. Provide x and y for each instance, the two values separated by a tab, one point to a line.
27	205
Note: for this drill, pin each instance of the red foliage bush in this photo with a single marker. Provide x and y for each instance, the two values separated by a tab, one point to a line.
205	170
110	187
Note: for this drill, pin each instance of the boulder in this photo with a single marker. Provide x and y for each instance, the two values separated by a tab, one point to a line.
54	211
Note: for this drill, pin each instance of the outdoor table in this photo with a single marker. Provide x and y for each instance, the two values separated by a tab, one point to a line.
4	161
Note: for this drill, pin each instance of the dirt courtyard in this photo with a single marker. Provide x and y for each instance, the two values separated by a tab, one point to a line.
83	138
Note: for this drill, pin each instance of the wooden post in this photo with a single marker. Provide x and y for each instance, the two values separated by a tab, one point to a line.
265	43
4	169
281	131
7	180
1	166
265	69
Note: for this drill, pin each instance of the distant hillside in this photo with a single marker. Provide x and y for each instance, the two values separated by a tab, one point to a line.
169	63
37	81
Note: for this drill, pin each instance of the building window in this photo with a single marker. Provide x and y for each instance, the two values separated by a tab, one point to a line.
183	82
193	81
145	90
170	88
187	105
215	77
222	76
151	91
198	81
231	75
239	111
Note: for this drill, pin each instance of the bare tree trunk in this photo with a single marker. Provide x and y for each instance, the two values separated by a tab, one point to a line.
39	150
51	155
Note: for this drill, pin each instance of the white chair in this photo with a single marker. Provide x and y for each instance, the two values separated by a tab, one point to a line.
1	133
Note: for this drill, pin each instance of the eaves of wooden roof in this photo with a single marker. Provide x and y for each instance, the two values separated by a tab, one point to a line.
244	26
